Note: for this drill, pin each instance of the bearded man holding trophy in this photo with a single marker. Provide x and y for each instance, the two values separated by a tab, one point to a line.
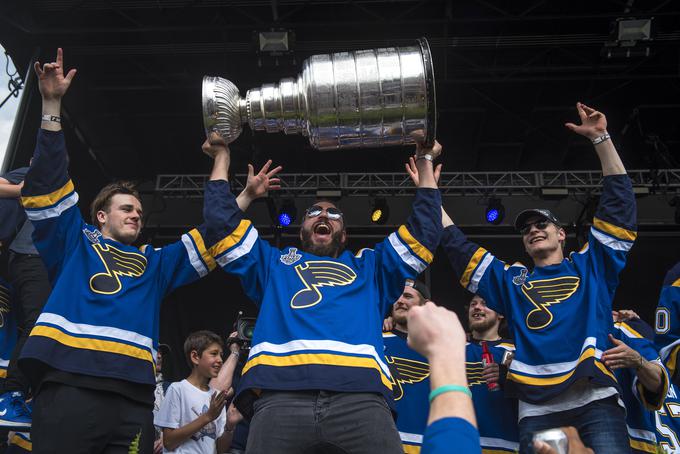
316	379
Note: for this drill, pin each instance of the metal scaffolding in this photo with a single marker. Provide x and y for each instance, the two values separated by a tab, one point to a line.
482	184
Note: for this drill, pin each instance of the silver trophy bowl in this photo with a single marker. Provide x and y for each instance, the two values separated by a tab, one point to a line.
360	99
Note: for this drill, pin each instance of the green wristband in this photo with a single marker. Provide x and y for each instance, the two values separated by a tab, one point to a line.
449	389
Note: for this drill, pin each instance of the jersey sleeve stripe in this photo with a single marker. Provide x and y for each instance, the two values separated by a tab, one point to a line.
53	212
47	200
201	249
611	242
627	330
239	251
479	273
421	251
405	254
17	440
326	359
92	344
613	230
232	239
410	449
195	258
676	283
472	264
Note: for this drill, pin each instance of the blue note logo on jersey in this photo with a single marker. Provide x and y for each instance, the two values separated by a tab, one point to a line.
405	372
545	292
4	304
117	263
93	236
319	273
291	257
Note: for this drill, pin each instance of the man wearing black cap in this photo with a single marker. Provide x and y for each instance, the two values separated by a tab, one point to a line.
559	313
410	370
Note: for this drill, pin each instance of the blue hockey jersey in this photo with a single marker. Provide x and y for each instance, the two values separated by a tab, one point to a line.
102	317
640	403
496	413
8	327
668	422
410	387
559	315
667	323
319	325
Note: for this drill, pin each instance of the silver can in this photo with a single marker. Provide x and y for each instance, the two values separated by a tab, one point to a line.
555	438
359	99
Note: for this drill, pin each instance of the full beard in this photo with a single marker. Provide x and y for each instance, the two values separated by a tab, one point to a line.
331	249
482	325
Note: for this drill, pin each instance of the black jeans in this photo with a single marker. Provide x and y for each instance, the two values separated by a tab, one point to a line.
28	277
323	422
74	420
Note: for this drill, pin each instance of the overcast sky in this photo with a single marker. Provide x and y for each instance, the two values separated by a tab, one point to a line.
7	111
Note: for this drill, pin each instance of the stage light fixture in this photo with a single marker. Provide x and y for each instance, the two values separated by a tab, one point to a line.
287	213
495	211
380	211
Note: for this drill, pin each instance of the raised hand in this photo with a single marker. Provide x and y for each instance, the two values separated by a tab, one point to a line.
51	80
412	171
593	123
258	185
217	402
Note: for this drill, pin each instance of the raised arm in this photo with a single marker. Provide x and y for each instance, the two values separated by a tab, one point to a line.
594	127
258	185
9	189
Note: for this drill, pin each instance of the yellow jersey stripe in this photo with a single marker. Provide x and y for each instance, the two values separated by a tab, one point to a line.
411	449
615	231
92	344
325	359
676	283
672	358
632	331
496	451
472	264
20	442
42	201
234	238
420	250
200	245
548	381
3	373
643	446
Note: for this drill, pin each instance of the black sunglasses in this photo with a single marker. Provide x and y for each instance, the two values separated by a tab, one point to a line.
540	225
316	210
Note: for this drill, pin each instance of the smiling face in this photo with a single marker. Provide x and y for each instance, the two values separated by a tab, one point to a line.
321	235
480	317
409	298
543	242
209	362
122	220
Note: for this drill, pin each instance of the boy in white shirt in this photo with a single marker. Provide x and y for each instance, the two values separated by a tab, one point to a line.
192	414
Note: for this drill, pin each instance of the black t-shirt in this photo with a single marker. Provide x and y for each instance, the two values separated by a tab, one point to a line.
11	211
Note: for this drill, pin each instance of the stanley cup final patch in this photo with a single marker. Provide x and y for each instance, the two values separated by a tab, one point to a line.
291	257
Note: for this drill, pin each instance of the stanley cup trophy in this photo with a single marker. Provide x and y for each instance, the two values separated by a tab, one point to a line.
360	99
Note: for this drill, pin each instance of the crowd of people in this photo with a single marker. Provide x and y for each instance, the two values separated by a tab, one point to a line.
80	316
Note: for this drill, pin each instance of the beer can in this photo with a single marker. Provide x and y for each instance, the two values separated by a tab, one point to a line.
555	438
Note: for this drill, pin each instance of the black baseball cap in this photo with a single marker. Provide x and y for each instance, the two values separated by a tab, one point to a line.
420	287
521	219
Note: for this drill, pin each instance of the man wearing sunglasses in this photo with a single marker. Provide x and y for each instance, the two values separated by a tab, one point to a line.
316	380
559	313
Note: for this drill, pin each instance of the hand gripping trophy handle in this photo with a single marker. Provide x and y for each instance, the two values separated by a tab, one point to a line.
360	99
